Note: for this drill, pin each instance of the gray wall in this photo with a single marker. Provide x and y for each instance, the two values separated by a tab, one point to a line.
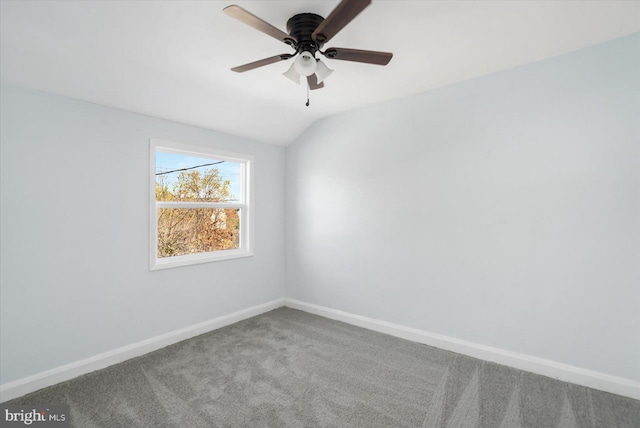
503	210
75	278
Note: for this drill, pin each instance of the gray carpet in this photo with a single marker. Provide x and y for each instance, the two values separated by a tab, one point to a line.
287	368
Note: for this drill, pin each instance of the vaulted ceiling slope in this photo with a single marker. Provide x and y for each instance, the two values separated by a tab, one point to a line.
172	59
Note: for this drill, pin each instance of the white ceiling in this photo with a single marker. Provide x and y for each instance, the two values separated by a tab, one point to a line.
171	59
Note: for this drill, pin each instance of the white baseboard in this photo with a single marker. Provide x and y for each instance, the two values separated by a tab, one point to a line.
564	372
552	369
20	387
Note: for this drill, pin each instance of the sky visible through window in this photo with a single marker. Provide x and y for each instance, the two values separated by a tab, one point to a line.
171	161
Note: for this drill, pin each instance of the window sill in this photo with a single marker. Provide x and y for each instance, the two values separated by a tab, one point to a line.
179	261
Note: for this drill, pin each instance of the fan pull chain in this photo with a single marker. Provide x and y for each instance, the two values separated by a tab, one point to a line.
307	94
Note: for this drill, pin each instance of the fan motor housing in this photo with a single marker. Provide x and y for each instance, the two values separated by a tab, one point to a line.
301	26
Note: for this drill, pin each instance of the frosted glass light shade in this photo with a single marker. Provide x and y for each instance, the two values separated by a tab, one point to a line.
292	74
305	64
322	71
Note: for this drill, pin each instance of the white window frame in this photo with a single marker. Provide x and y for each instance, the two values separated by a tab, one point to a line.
245	205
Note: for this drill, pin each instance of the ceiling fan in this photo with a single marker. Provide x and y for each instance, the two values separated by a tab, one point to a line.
307	34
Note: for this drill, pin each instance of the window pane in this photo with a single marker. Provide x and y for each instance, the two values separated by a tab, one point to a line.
184	231
183	178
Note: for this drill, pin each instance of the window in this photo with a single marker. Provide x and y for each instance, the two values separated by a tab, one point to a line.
201	207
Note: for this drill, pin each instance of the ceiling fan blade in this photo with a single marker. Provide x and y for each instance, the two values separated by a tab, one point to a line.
260	63
312	80
358	55
251	20
339	17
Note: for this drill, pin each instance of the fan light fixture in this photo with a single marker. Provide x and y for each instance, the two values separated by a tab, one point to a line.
307	34
305	65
